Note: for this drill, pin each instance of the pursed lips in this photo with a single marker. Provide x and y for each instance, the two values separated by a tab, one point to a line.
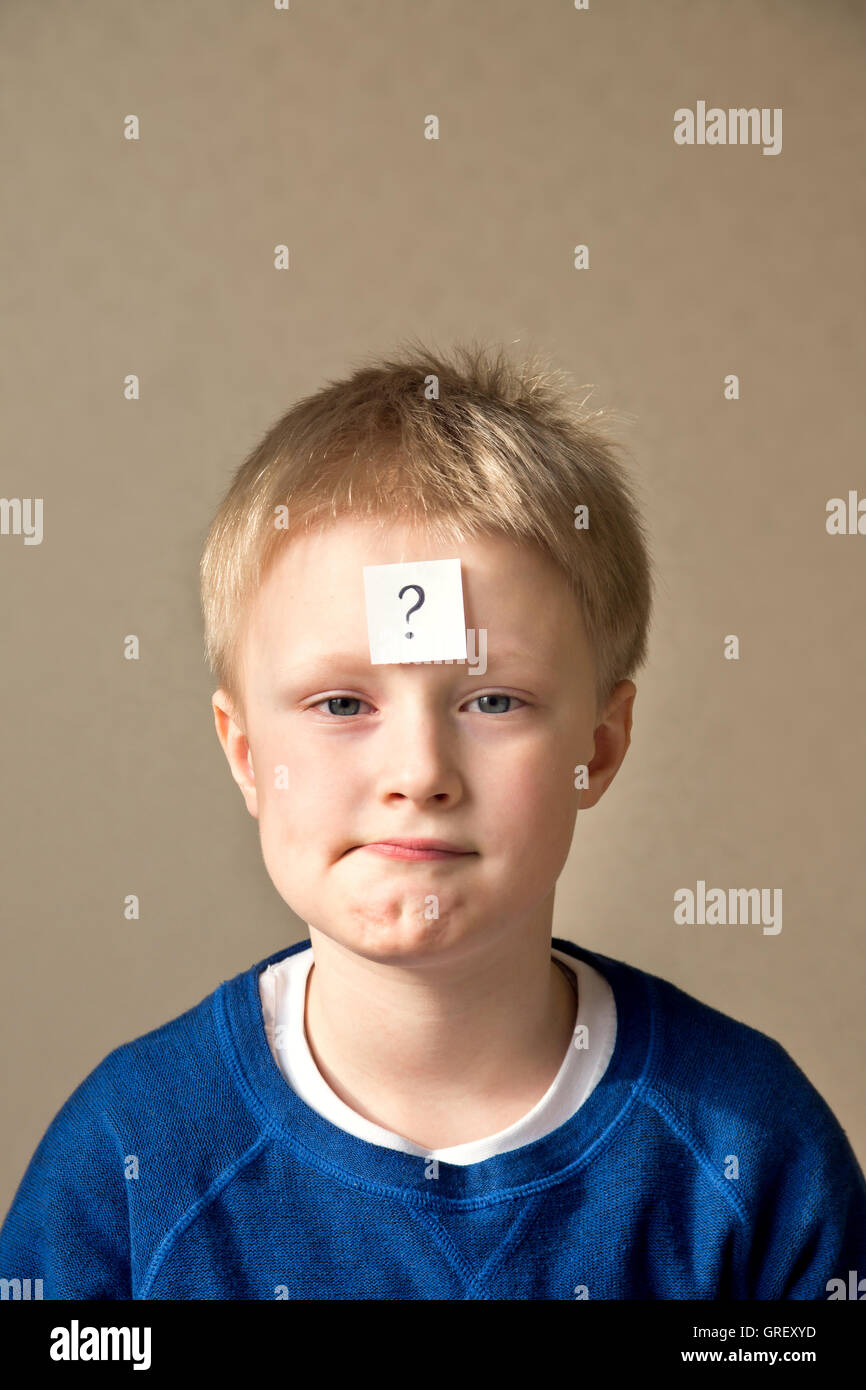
417	849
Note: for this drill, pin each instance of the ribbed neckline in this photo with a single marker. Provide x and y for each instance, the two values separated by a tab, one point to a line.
292	1122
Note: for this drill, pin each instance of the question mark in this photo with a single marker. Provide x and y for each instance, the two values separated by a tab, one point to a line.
415	606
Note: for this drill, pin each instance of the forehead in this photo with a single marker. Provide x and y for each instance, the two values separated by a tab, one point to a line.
312	601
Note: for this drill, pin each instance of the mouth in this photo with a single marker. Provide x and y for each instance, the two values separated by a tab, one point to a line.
417	849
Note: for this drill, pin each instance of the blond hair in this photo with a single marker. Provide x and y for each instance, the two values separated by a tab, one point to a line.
467	444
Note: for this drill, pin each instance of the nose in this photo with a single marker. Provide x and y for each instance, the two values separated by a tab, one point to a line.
417	755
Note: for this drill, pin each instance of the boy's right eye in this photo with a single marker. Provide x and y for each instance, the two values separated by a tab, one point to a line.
340	701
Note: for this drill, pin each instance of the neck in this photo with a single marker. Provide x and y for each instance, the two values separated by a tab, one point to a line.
444	1049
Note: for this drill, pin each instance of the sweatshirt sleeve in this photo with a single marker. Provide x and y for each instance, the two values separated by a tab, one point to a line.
68	1224
812	1232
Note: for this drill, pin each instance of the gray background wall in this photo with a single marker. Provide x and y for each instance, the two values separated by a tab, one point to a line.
155	257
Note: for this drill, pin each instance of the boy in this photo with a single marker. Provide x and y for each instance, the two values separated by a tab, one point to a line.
424	1100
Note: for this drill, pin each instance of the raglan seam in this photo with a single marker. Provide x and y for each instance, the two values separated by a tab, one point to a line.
119	1147
662	1106
220	1182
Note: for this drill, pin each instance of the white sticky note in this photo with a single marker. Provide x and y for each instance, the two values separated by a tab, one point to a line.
415	611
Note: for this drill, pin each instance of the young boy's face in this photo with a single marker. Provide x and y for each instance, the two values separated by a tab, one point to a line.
412	751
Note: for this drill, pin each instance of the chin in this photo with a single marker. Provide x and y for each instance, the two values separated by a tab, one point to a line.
401	937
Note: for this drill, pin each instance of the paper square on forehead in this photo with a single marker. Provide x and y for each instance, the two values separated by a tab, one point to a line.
438	627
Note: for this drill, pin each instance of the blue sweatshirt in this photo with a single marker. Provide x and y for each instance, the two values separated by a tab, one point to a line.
704	1164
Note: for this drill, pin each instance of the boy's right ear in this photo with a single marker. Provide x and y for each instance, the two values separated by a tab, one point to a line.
236	748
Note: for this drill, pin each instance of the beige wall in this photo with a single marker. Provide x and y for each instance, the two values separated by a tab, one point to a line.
155	257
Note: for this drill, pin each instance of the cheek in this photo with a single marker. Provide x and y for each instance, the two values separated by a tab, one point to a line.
537	811
307	796
538	779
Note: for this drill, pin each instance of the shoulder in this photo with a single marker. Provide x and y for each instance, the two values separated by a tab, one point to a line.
139	1140
728	1091
762	1137
737	1098
166	1088
177	1072
704	1057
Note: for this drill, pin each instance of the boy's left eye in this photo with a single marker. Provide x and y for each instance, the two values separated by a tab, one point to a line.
343	700
495	696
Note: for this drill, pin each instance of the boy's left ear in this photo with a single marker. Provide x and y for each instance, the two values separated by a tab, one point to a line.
236	747
612	737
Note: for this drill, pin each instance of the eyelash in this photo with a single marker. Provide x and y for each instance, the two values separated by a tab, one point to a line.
488	694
